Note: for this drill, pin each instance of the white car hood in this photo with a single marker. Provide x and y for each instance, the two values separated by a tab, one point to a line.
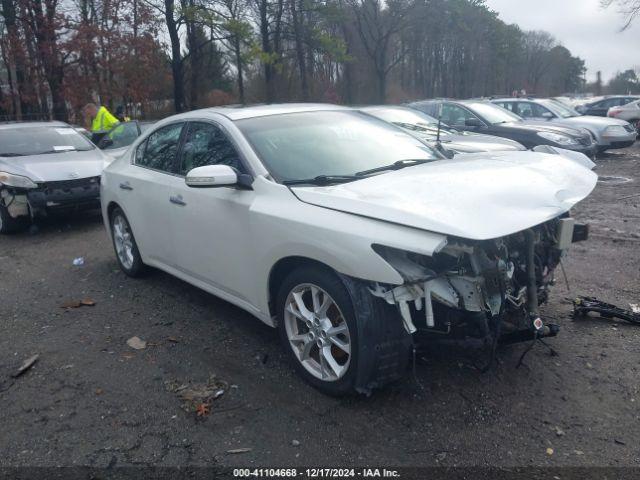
51	167
474	196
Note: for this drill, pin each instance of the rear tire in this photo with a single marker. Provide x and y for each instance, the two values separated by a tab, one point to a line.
125	246
362	334
8	224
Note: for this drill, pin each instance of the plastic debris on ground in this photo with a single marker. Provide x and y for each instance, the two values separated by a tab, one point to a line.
78	262
26	365
582	306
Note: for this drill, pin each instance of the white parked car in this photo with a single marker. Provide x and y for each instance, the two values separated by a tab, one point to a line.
349	235
46	167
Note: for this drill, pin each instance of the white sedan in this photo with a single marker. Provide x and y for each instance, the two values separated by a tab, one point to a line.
350	236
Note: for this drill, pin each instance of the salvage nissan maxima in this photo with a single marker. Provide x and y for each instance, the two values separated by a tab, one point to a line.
45	167
346	233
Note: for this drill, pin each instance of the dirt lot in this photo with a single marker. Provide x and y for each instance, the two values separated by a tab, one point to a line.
93	400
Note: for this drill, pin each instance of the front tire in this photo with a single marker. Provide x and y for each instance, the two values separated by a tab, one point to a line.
318	329
341	339
125	246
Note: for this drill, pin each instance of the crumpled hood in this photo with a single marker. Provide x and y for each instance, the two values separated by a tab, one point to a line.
474	196
52	167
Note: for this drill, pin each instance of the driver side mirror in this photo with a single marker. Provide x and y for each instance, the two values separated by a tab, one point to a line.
473	122
211	176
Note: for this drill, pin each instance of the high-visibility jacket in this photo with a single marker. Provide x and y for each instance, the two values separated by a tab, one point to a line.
103	121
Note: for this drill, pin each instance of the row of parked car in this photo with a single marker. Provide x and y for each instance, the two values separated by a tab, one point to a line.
354	232
46	166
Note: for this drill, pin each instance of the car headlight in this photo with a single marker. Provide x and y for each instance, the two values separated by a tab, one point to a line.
558	138
614	130
17	181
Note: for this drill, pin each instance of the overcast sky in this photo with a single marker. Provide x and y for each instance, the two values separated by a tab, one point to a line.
583	27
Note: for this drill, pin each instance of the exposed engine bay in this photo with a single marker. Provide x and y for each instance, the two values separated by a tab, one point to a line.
481	293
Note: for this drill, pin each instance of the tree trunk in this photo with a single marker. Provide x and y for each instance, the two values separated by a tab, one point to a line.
177	66
297	32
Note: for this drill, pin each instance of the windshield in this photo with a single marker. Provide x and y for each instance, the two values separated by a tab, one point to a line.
299	146
559	108
26	140
410	119
492	113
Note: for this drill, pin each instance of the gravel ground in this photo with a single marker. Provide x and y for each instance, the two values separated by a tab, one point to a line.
92	400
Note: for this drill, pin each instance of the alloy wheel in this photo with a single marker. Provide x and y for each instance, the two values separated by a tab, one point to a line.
123	241
317	332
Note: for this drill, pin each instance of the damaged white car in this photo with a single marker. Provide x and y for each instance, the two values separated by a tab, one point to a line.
353	238
45	167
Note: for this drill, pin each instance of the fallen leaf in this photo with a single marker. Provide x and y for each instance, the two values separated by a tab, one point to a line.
129	355
173	340
239	450
549	451
99	391
87	302
136	343
559	432
202	410
26	365
619	442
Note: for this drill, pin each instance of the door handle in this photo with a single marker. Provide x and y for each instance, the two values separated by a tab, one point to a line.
177	200
126	186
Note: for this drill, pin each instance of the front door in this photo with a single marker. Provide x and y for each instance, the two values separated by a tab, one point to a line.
211	230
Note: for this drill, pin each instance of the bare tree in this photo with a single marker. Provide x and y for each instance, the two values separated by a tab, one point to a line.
629	8
378	23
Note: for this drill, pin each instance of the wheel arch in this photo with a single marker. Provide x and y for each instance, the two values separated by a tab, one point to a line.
111	207
284	267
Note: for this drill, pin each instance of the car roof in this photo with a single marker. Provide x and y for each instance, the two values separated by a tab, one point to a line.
244	112
16	125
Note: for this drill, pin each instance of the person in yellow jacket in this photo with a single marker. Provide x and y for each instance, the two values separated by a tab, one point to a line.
102	120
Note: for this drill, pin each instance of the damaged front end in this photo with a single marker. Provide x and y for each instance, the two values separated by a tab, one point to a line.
38	200
480	293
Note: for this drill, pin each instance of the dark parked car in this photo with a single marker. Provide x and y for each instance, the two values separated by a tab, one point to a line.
484	117
451	140
600	108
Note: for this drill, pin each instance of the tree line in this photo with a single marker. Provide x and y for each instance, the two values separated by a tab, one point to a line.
161	56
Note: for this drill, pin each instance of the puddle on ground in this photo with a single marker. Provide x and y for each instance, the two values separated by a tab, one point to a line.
613	180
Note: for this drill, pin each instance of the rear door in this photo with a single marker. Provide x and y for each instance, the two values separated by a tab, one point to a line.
211	228
147	192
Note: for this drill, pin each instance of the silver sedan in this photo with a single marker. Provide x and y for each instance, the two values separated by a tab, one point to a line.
629	112
609	133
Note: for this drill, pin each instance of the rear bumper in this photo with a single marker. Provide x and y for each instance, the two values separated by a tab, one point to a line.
64	196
